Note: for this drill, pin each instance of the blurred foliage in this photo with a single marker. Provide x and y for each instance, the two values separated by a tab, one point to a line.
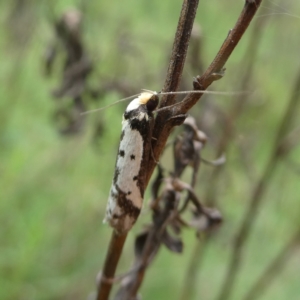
53	189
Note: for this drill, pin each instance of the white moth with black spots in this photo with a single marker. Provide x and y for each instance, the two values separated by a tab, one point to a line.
127	190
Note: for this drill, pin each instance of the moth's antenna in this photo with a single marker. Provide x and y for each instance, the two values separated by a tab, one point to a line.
109	105
164	93
196	92
204	92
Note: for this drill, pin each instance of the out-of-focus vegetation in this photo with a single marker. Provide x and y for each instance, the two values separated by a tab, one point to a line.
53	188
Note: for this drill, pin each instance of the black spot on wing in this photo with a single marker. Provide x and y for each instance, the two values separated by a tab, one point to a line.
122	153
135	178
127	205
132	157
133	118
142	126
136	124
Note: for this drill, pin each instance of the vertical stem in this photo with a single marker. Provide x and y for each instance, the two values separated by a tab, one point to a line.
200	246
257	196
190	278
273	269
173	77
237	108
112	258
244	231
180	47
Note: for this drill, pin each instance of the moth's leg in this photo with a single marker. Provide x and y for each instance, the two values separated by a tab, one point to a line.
177	120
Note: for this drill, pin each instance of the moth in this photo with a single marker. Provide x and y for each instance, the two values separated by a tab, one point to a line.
128	186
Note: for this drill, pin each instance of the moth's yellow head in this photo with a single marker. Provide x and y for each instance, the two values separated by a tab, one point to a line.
145	97
149	99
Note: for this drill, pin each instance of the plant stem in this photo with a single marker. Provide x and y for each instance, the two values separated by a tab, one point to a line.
190	277
162	127
257	197
216	69
112	258
201	245
274	268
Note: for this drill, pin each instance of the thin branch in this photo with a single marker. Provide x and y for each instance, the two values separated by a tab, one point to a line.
274	268
216	69
226	137
190	278
237	107
257	196
112	258
166	120
179	51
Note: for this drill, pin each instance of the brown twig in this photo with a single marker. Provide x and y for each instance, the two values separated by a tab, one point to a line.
190	277
163	122
215	71
257	196
274	268
237	107
112	258
226	137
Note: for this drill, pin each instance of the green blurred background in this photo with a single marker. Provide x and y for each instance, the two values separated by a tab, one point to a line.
53	188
